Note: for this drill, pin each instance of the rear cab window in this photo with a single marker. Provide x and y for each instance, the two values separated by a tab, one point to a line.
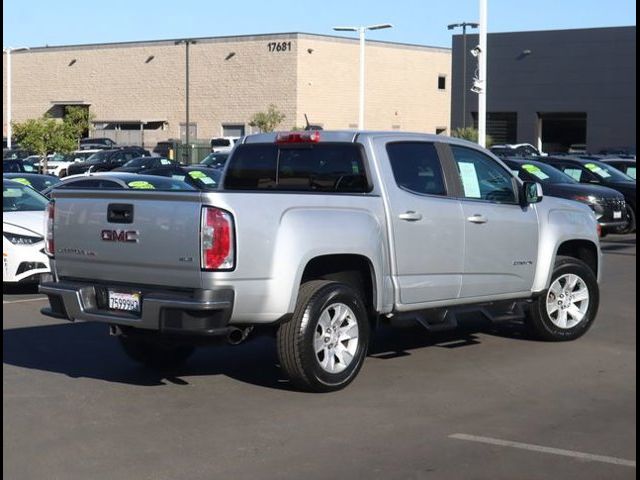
322	167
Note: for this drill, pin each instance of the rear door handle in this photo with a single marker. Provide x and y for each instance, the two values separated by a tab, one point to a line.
410	216
477	218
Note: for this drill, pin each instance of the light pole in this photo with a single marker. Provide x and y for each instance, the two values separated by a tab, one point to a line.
482	76
464	26
8	51
361	30
186	42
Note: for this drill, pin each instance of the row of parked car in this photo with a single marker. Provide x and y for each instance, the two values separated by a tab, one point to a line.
609	192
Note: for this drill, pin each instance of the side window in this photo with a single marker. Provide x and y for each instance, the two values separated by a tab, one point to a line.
81	184
576	172
482	177
416	167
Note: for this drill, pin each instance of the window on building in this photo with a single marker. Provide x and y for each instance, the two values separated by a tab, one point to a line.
502	127
193	131
233	130
442	82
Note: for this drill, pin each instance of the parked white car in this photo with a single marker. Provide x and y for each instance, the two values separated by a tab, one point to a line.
23	212
223	144
57	164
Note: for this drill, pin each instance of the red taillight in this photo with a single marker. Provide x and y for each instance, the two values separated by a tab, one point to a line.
216	239
298	137
599	229
49	246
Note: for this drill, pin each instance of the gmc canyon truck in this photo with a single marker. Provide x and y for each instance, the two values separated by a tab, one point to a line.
322	235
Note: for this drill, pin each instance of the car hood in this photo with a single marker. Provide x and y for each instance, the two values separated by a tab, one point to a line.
33	222
570	190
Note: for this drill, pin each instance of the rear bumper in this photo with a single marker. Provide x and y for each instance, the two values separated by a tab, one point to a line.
199	312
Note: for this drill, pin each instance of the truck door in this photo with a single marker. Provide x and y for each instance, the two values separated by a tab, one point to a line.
501	237
427	229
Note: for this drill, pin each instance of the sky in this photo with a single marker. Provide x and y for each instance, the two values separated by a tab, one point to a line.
66	22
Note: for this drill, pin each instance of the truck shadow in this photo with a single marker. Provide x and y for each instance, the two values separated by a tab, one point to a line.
84	350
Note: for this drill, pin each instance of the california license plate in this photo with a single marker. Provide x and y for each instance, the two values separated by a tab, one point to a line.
617	215
126	302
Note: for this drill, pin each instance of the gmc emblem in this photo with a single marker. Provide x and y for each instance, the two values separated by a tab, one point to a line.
129	236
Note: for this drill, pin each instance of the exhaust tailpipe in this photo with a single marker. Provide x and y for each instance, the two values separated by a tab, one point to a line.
238	335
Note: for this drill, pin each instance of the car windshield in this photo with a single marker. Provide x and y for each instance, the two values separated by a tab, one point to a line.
138	162
607	172
37	182
539	172
215	159
204	179
97	157
20	198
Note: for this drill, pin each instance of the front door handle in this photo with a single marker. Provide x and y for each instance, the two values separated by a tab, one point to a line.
477	218
410	216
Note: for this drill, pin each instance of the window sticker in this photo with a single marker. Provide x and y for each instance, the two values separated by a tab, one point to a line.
141	185
631	171
535	171
516	173
165	162
23	181
202	177
601	172
469	178
574	173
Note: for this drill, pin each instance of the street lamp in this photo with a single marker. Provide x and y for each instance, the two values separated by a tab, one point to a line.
8	51
361	30
464	26
186	42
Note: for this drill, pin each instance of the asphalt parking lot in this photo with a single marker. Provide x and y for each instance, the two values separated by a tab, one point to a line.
479	403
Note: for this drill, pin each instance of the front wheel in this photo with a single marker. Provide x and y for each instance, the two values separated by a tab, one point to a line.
324	344
630	227
568	308
155	354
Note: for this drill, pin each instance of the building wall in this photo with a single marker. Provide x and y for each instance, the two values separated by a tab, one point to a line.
401	85
585	70
121	84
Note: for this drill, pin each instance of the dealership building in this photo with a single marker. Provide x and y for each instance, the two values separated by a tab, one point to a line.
135	91
552	88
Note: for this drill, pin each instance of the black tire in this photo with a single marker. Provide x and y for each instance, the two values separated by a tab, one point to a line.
538	320
295	337
155	353
631	226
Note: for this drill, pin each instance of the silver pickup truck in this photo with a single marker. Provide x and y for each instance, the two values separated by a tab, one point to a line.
320	235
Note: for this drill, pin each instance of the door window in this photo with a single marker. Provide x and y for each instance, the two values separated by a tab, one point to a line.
482	177
416	167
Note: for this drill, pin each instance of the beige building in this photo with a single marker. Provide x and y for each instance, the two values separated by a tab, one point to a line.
136	90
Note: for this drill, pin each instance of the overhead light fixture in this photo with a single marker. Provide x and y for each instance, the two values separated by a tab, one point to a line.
231	55
72	62
475	51
151	57
309	50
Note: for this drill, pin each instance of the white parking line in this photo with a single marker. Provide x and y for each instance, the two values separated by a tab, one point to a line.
541	449
24	300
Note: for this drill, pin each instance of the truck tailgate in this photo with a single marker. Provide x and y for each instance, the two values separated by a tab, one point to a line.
137	237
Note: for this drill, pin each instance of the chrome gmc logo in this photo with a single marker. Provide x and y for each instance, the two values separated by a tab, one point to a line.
127	236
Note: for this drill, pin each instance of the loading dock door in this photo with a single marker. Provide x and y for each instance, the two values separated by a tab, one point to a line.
561	130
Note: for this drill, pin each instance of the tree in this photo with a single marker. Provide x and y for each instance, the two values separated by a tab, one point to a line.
43	136
471	134
78	119
269	120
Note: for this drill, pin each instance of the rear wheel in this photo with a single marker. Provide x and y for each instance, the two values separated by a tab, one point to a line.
154	353
324	344
568	308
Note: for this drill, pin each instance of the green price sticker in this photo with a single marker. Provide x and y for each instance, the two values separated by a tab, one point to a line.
141	185
535	171
23	181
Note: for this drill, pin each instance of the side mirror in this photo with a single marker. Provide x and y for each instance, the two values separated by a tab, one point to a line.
531	193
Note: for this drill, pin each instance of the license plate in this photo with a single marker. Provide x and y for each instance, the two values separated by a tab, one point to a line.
617	215
126	302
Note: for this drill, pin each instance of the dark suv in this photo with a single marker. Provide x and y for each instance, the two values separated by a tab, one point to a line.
599	173
97	142
107	160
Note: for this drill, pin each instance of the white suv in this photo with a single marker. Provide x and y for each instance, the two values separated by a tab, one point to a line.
223	144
